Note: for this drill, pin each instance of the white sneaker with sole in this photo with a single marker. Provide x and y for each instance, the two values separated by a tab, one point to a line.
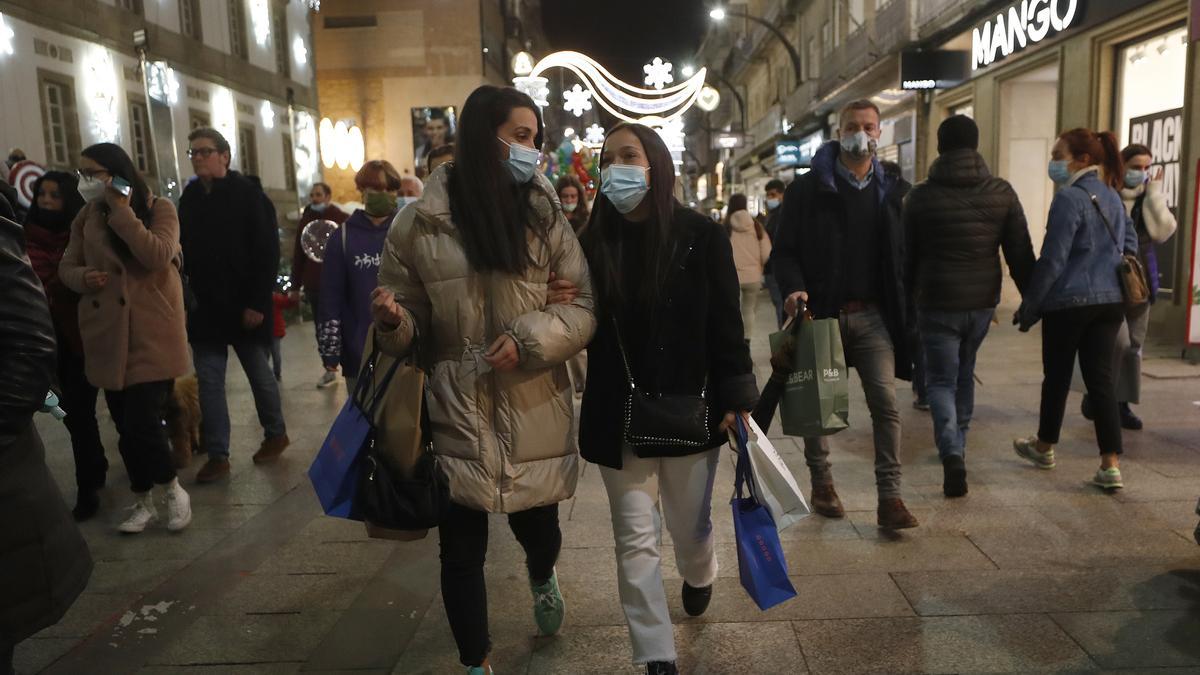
141	514
1108	479
179	506
328	379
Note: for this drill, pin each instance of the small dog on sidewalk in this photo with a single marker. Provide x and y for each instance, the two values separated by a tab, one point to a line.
183	420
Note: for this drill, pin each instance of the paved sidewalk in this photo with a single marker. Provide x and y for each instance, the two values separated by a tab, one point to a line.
1033	571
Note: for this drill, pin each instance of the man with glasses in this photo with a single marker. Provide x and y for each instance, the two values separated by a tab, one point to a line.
231	250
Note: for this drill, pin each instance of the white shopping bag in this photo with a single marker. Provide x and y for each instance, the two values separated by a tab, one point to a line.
774	485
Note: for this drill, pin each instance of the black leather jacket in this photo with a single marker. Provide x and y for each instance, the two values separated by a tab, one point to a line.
26	337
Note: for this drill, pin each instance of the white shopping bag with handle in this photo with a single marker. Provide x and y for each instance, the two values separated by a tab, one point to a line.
774	485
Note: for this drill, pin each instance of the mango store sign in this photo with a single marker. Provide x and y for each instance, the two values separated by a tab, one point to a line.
1021	25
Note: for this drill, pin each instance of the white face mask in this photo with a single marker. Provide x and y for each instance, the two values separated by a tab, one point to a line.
858	145
92	188
570	208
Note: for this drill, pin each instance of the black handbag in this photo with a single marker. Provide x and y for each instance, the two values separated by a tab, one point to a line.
384	501
677	420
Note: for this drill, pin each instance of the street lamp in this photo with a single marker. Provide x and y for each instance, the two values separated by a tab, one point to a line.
719	14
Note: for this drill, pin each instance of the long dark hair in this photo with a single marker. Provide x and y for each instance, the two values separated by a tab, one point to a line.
491	211
601	237
116	161
1101	149
68	187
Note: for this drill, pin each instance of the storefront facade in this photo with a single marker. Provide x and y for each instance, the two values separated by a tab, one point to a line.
1120	65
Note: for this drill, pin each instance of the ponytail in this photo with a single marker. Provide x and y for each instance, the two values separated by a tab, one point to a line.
1114	166
1101	149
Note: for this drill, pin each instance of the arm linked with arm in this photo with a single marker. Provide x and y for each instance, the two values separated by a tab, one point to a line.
1017	246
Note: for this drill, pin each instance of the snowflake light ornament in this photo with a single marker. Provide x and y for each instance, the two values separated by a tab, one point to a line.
658	73
594	135
577	100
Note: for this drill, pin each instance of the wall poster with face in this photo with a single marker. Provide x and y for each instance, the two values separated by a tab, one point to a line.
432	127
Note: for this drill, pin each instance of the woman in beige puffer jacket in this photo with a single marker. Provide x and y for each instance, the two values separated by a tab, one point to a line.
751	250
467	269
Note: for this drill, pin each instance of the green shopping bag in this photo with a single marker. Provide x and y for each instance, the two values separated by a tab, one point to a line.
816	398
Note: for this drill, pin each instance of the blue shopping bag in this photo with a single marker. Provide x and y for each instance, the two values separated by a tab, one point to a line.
334	471
761	565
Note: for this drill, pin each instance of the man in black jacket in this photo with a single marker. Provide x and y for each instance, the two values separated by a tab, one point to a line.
775	189
956	222
231	250
841	252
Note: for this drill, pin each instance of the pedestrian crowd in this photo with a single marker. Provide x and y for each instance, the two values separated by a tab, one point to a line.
495	281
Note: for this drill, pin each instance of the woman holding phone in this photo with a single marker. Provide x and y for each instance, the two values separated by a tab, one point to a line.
123	258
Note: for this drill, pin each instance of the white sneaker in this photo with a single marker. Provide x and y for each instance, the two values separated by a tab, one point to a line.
141	514
328	379
179	506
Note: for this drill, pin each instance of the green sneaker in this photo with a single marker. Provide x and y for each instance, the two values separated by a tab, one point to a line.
1027	448
548	606
1109	479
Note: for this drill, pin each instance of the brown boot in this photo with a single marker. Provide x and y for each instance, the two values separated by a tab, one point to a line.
825	501
270	449
893	515
213	470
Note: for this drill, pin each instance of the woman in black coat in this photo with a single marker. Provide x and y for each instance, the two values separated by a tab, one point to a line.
44	562
670	331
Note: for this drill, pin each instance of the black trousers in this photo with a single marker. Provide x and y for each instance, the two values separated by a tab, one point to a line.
79	402
1090	331
313	298
6	658
137	412
464	536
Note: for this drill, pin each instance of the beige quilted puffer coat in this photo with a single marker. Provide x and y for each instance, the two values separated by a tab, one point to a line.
506	440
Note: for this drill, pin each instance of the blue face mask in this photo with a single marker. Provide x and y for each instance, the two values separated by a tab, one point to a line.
772	204
1134	178
625	185
1058	171
522	161
319	208
403	201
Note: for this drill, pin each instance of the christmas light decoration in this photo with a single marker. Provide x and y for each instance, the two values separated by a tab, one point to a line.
623	100
577	100
522	63
299	51
709	99
224	117
7	37
267	113
658	73
594	135
101	87
260	18
164	86
342	144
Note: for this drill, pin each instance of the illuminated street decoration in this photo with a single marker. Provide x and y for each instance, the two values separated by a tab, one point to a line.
709	99
623	100
299	51
267	113
306	159
224	117
577	100
101	95
164	86
522	63
260	18
658	73
7	36
342	144
594	136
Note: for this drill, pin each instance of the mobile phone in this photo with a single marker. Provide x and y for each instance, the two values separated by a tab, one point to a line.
121	185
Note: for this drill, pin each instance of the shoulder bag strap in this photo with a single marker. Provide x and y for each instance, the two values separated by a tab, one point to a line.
1111	232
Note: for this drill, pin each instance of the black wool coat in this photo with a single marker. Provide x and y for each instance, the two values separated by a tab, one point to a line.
44	561
692	339
811	249
231	255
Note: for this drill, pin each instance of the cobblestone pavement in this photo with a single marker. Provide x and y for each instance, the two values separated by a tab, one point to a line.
1033	571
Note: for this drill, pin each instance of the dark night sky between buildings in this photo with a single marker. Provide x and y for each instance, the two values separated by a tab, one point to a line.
623	35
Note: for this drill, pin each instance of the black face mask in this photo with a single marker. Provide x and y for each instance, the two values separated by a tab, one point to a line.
56	221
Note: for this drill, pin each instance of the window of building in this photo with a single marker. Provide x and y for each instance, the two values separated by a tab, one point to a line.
283	61
60	121
134	6
837	22
826	38
857	11
139	126
198	120
237	28
289	163
189	18
248	150
814	58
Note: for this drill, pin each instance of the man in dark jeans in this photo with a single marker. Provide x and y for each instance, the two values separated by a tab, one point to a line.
841	252
231	249
956	223
775	189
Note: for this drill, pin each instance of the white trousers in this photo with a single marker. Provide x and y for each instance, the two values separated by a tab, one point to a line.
683	486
